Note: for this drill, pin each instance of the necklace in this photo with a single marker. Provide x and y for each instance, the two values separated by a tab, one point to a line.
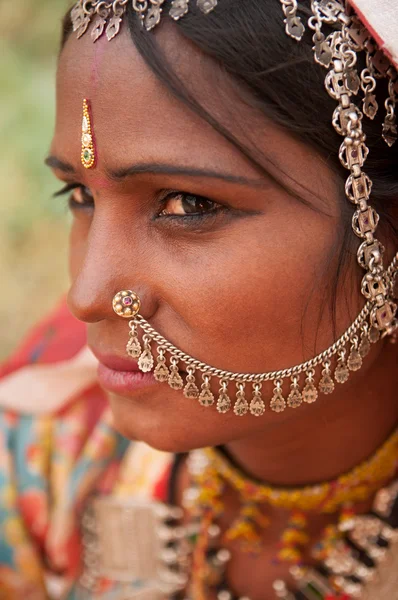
162	552
211	471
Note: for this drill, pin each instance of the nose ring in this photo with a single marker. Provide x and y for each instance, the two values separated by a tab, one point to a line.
126	304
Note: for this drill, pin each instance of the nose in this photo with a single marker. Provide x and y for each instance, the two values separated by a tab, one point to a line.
102	269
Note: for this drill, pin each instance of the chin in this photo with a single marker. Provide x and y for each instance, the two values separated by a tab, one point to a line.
171	423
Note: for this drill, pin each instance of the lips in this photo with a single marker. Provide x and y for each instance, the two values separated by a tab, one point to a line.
117	363
121	376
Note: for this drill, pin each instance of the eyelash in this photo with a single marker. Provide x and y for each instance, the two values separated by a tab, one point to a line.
189	218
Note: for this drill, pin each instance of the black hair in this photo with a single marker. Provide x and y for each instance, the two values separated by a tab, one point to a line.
278	77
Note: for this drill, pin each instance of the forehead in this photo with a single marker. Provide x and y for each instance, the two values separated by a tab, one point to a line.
134	114
138	120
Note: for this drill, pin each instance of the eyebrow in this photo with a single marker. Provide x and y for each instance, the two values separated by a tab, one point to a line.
158	169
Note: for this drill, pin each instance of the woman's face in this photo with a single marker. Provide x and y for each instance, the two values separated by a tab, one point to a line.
229	266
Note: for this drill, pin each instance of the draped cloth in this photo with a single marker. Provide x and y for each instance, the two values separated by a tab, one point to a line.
381	19
58	447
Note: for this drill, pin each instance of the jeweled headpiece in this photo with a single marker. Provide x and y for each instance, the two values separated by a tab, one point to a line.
107	16
338	53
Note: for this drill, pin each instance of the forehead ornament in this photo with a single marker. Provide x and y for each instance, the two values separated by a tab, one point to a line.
106	16
88	152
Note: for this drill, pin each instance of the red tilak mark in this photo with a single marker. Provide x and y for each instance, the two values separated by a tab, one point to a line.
99	51
100	183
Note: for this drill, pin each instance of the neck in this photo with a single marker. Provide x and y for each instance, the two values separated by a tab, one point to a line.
320	442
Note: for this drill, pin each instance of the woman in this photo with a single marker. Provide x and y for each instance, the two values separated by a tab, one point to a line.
208	173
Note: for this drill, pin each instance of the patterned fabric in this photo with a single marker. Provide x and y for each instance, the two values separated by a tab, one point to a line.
51	463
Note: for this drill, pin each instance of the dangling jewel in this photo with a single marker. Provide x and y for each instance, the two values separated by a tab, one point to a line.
354	361
224	401
88	154
352	81
98	28
206	397
322	51
178	9
278	403
153	16
364	346
133	347
145	361
326	384
114	26
161	372
191	390
241	406
370	106
310	393
294	400
374	335
206	6
257	406
341	372
175	380
390	133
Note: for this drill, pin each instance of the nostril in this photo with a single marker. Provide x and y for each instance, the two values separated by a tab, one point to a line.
86	307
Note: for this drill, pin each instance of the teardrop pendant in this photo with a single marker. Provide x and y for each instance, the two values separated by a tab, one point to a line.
241	406
354	361
145	361
224	401
294	400
341	372
370	105
310	393
191	390
278	403
364	346
206	397
175	380
326	384
133	347
161	372
257	406
374	335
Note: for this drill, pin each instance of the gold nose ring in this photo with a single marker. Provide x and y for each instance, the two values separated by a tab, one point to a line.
126	304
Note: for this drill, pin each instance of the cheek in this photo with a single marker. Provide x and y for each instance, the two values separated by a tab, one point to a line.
78	243
248	297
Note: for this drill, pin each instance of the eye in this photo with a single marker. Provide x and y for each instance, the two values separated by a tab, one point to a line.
186	205
81	196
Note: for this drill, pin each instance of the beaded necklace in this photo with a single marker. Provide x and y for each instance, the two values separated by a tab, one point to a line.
211	472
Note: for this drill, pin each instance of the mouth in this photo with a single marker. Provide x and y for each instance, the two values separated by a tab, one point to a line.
121	376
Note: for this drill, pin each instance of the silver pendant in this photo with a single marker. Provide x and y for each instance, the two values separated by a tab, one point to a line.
98	28
390	132
206	6
370	106
322	50
294	28
113	27
178	9
152	17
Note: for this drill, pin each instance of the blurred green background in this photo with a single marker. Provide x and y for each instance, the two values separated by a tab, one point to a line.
33	225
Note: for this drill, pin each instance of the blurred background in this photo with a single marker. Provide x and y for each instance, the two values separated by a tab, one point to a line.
33	225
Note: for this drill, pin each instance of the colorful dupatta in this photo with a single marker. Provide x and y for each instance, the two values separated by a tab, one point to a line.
52	462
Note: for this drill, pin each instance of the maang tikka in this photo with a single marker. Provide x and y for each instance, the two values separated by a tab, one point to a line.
88	151
337	52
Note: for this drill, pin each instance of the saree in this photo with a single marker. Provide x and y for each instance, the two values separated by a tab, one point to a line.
58	448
